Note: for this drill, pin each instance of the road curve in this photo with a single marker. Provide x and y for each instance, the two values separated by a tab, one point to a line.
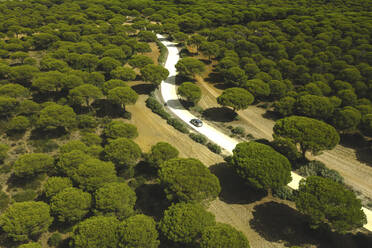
168	91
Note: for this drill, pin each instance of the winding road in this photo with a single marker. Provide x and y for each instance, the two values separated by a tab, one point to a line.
169	93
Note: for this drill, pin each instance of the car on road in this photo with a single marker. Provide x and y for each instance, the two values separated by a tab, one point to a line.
196	122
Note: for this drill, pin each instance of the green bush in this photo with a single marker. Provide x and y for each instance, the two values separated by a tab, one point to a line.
44	145
4	201
157	108
3	152
27	195
214	147
177	124
198	138
284	193
55	240
87	121
163	53
238	130
317	168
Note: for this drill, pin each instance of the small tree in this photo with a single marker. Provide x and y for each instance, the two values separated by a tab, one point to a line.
234	76
140	61
29	165
8	106
123	152
184	222
122	96
319	107
55	116
138	231
123	73
221	236
309	133
261	166
190	91
18	124
161	152
96	232
93	173
258	88
346	119
237	98
3	152
189	67
118	129
116	199
107	64
154	74
85	94
113	83
54	185
187	179
30	245
70	205
328	202
14	90
209	49
24	220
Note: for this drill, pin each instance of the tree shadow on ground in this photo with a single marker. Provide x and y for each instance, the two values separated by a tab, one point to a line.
271	115
42	134
106	108
233	189
15	135
214	78
143	89
151	200
32	183
206	61
179	79
219	114
360	144
278	222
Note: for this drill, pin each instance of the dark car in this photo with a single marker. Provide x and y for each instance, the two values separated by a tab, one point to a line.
196	122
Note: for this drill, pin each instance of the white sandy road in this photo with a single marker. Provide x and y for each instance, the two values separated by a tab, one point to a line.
169	94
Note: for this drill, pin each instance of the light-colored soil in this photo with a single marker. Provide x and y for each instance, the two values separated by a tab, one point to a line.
154	54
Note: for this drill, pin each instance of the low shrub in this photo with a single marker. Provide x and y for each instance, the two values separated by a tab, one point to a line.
214	147
4	201
87	121
55	240
127	115
27	195
157	108
238	130
163	53
284	193
44	146
177	124
198	138
317	168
